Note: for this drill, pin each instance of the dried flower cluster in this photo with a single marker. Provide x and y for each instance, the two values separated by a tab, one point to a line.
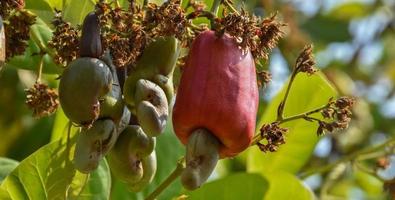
42	100
259	35
17	24
264	78
7	6
338	112
273	135
65	40
167	19
122	33
305	62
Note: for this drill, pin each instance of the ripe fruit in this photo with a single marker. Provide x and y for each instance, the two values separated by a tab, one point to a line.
218	91
93	144
216	104
83	83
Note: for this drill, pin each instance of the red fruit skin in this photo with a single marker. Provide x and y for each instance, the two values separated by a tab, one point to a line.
218	91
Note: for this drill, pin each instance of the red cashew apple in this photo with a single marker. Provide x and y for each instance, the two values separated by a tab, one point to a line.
218	92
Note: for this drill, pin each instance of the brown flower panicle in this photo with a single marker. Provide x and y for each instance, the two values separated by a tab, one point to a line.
269	34
65	40
122	33
42	100
165	20
7	6
273	135
305	62
337	114
17	32
259	35
264	78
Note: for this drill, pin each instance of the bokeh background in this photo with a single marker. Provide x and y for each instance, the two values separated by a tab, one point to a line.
354	45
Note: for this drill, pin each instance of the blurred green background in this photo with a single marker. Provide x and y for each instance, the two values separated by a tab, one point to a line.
354	45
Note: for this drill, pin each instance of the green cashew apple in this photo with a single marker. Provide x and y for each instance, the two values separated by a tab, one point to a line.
201	158
83	83
112	104
149	171
90	43
157	65
126	158
93	144
152	107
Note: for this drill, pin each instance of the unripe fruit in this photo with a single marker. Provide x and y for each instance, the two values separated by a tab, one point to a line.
112	105
201	158
218	92
2	44
149	171
152	107
126	158
90	43
83	83
93	144
157	65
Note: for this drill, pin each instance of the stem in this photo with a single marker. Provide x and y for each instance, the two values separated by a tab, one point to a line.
280	113
41	45
215	7
230	7
40	69
347	158
303	115
257	138
173	176
117	5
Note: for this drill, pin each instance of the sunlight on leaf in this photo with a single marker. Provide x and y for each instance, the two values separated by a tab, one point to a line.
6	167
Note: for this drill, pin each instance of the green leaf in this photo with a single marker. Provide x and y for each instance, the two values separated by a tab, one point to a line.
4	194
60	126
6	167
352	10
98	186
41	8
237	186
30	59
46	174
76	10
326	29
283	185
307	93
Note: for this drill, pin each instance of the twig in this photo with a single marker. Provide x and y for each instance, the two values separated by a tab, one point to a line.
347	158
258	137
173	176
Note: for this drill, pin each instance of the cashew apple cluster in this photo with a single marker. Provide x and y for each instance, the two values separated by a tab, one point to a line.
91	97
214	113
